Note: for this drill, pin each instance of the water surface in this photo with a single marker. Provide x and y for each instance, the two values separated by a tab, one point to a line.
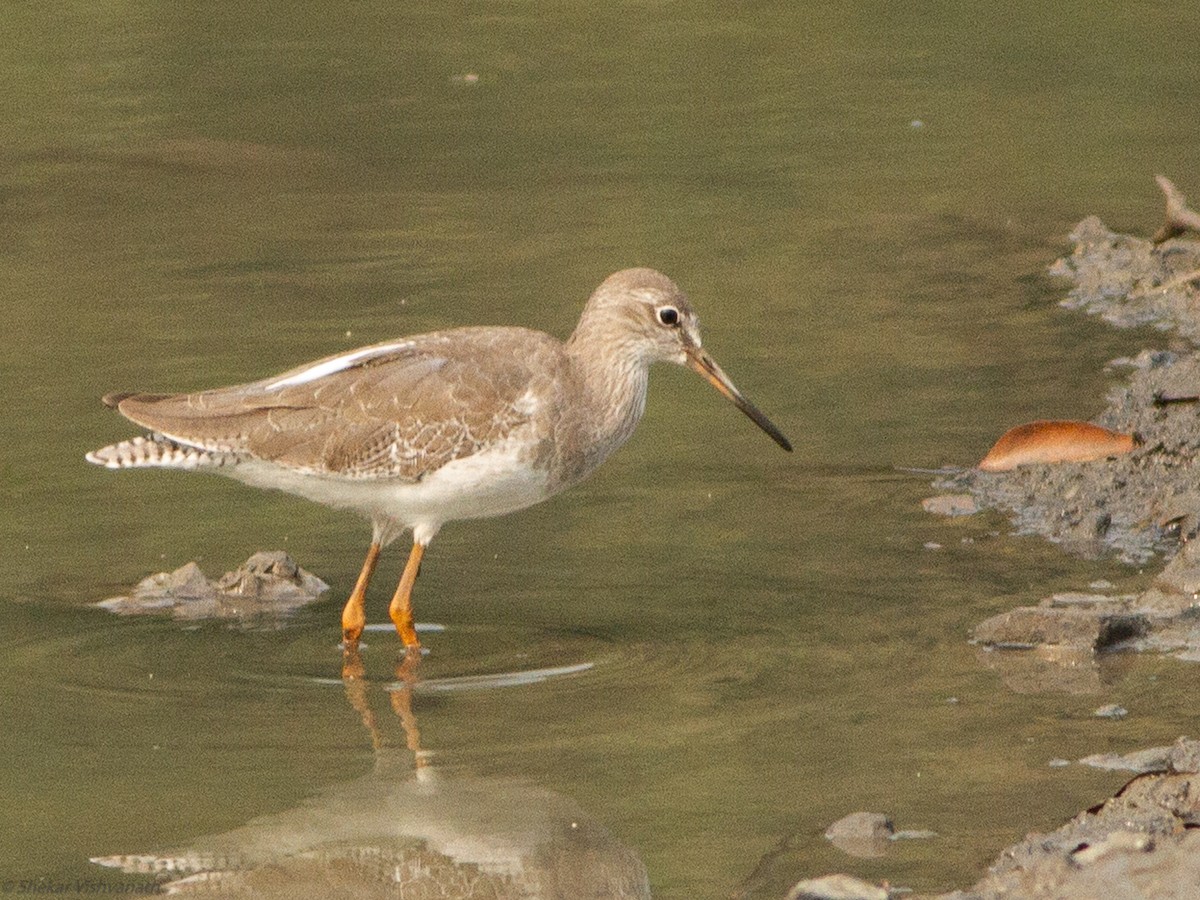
861	203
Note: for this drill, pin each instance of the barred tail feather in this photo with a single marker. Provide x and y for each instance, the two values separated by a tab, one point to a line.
146	864
156	450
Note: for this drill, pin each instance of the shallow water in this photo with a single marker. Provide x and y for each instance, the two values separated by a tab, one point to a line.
736	646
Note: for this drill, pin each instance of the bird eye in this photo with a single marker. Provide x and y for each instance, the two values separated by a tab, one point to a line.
668	315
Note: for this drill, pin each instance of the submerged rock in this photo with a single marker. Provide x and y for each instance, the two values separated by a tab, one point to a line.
1050	669
837	887
1180	758
951	505
1155	759
268	584
862	834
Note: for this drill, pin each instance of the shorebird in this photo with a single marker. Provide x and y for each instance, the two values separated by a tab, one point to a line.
420	431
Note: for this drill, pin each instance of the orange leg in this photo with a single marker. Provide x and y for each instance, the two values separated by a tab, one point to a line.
354	616
401	606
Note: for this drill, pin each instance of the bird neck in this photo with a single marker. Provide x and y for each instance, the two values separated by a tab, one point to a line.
614	373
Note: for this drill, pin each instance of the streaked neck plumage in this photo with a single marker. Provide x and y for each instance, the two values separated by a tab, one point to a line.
613	366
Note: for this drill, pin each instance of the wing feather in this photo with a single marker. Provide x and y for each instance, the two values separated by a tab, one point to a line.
397	410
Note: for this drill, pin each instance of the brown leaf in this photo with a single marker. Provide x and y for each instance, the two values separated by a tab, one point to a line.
1054	441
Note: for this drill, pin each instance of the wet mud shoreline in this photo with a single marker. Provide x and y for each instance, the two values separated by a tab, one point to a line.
1140	506
1145	502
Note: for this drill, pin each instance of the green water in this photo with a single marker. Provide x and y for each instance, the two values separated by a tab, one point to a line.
861	203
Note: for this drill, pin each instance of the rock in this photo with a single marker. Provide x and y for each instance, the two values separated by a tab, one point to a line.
1182	574
1166	607
1155	759
1092	628
1075	600
951	505
862	834
1184	758
1165	618
186	581
1117	842
914	834
1111	711
271	576
269	584
837	887
1141	843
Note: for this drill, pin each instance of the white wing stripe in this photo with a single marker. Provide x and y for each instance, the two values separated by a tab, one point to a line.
337	364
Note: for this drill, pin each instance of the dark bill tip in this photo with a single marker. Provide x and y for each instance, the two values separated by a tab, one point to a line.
703	364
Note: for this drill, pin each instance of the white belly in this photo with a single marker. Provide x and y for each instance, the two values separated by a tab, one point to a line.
492	483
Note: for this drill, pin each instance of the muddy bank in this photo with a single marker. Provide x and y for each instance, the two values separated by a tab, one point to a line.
1147	501
1068	634
1134	505
1128	280
1144	842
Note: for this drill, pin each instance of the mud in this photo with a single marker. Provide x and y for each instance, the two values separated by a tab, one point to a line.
1131	281
1145	502
268	586
1133	506
1145	841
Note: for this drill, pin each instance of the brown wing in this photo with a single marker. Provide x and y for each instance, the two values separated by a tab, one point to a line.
396	410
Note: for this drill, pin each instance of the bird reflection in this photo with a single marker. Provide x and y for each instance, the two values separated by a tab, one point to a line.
406	831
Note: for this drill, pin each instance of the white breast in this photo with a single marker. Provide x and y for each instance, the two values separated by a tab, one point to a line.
497	481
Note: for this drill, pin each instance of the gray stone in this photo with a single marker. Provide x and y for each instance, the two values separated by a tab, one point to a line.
862	834
951	505
268	585
1117	842
1154	759
837	887
1095	627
